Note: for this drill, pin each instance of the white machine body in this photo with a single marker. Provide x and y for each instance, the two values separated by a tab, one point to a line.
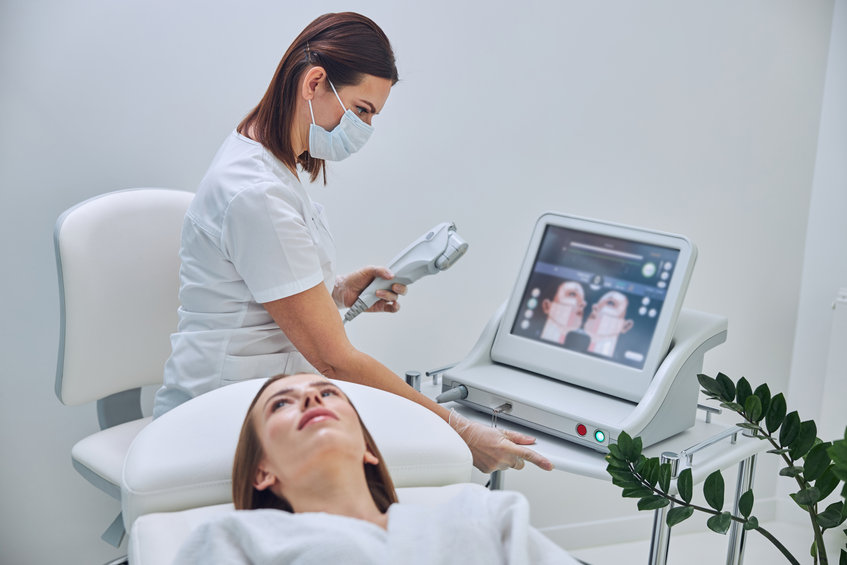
434	251
584	416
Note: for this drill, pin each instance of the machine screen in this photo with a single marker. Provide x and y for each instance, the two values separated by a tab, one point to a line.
596	295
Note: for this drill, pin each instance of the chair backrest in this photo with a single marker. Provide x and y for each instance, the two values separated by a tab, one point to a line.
118	263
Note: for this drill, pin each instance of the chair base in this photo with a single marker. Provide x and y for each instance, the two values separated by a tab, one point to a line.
116	532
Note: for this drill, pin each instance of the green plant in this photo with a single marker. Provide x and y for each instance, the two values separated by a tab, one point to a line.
817	467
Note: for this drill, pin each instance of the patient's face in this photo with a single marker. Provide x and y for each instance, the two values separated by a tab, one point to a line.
304	421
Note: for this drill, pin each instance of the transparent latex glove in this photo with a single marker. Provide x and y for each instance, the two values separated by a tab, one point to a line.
349	287
494	449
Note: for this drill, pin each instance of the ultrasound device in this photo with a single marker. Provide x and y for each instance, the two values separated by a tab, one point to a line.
593	340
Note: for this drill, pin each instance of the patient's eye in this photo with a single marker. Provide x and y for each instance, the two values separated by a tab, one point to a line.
280	403
329	392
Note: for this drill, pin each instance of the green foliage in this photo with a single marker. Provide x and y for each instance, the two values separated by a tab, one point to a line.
713	489
817	467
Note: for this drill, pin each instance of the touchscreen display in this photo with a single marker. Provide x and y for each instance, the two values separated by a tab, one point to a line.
597	295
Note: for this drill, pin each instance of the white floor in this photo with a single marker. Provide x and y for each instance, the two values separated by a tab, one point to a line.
710	548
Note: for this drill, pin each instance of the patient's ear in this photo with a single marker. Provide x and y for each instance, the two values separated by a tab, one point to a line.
370	458
264	479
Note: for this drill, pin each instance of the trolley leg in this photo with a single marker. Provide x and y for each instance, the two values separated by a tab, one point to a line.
737	534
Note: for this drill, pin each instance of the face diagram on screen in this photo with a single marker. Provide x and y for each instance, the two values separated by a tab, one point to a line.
596	295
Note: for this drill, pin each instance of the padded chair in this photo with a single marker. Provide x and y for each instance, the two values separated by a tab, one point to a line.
178	470
118	263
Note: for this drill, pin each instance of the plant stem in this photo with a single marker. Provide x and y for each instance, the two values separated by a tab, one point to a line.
811	509
767	535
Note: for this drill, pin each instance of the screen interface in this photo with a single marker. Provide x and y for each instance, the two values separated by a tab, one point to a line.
596	295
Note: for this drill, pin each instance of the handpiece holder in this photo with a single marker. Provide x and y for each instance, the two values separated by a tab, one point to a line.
436	250
668	406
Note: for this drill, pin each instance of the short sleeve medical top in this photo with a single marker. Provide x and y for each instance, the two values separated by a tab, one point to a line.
251	235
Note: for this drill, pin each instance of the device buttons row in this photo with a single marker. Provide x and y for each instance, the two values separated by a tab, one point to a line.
599	435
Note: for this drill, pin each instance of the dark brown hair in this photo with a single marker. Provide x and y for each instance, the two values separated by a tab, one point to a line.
248	455
347	45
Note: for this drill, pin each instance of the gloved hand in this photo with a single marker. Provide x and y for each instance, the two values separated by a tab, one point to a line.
349	287
494	449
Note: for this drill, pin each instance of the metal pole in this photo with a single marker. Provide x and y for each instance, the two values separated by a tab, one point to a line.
737	534
495	482
661	538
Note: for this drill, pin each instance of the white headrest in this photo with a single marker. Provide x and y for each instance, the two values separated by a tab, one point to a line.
184	458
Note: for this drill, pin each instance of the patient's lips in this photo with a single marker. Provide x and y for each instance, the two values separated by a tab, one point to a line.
315	415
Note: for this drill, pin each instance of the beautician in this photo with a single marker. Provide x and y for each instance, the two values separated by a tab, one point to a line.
258	291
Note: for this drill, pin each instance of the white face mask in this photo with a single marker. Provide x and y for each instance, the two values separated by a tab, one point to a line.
346	138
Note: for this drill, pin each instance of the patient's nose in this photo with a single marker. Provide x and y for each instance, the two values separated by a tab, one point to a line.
311	398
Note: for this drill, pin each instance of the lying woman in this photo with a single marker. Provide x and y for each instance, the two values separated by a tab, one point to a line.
310	487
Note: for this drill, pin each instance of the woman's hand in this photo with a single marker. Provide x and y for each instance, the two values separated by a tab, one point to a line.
494	449
349	287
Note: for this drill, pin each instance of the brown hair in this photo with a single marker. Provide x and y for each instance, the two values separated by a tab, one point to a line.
248	454
347	45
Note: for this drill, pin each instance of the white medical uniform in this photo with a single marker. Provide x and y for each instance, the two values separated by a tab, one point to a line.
251	235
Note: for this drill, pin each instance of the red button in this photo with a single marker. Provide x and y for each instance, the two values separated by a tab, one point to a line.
581	430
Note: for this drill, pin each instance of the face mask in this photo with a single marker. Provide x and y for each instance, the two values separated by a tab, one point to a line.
346	138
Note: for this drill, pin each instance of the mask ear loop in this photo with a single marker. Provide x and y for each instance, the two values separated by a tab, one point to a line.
343	107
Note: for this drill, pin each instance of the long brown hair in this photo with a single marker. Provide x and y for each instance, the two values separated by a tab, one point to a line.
248	454
347	45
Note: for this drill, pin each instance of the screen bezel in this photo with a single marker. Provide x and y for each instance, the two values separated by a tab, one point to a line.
577	368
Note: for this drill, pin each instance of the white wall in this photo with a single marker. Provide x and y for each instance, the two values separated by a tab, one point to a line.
699	118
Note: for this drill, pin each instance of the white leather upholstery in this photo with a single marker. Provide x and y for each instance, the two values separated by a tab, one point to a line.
117	257
156	538
184	458
118	261
100	456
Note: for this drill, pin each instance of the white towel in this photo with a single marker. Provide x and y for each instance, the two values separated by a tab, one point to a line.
475	527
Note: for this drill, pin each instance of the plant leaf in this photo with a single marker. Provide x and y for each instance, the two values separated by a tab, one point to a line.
804	441
742	391
677	515
806	497
764	395
776	413
713	489
816	462
826	483
745	503
685	485
792	471
790	429
752	523
734	406
779	451
653	502
637	492
719	523
831	517
625	446
838	454
710	385
753	408
726	388
843	559
665	477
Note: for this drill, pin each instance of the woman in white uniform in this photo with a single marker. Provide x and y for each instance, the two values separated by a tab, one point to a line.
258	291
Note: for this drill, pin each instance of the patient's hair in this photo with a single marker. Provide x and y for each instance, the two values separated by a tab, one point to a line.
248	454
348	46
